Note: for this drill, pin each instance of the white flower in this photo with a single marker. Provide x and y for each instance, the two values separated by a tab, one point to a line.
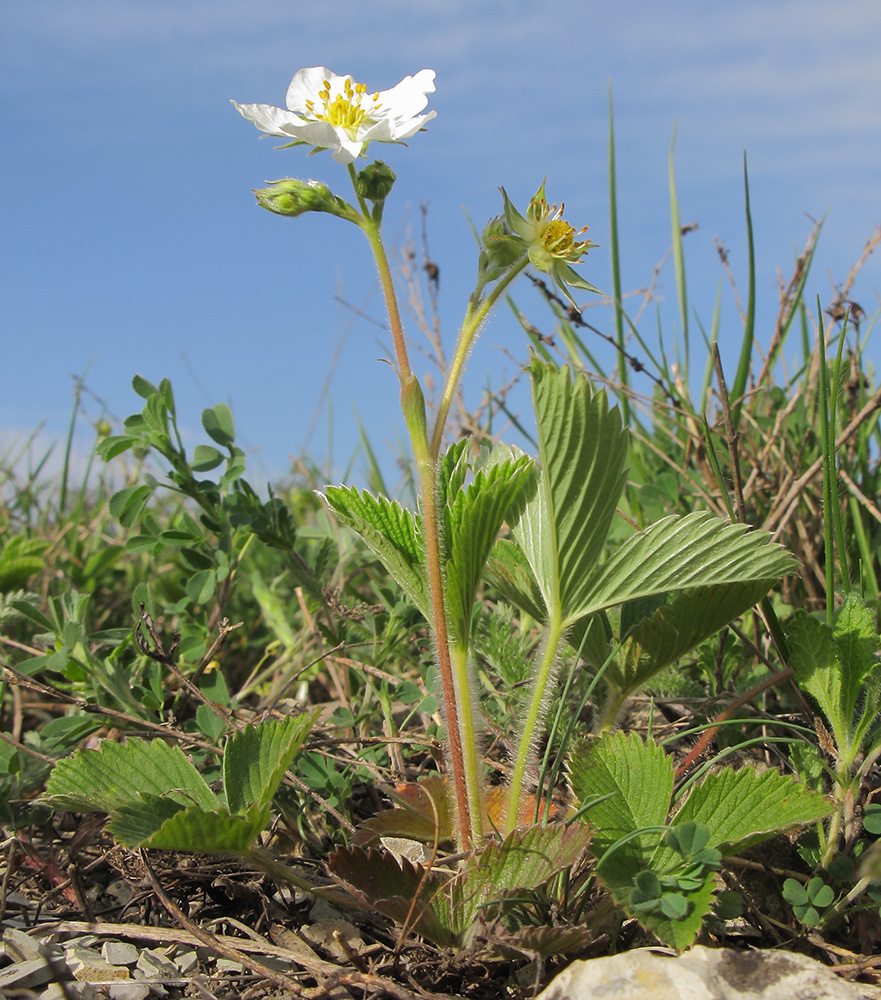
333	112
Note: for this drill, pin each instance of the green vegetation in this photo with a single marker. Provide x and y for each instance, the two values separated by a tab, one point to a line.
536	677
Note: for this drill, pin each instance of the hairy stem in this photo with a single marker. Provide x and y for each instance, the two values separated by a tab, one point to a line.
464	818
469	731
427	465
525	750
475	317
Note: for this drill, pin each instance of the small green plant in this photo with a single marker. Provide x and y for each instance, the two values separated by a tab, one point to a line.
657	848
809	902
155	796
560	510
838	666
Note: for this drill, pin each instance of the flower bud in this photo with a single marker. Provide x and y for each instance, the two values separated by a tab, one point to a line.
413	408
502	248
375	181
294	197
495	228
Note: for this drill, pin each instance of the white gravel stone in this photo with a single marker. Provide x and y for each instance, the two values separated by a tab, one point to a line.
119	953
702	974
20	946
88	965
128	991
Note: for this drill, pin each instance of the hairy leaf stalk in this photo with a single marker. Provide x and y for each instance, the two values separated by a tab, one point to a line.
535	713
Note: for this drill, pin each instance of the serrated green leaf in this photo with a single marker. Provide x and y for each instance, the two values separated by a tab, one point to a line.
218	424
524	860
679	933
473	519
102	780
453	468
442	907
838	668
682	553
641	778
582	450
134	823
675	629
856	636
742	808
813	656
391	532
210	832
508	570
638	778
256	758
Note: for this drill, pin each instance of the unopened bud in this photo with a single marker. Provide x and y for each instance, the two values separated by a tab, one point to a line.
502	249
495	228
413	408
294	197
375	181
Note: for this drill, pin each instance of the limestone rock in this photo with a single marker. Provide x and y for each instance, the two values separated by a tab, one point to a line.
703	974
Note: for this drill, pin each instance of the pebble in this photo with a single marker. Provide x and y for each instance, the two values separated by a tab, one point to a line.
702	974
119	953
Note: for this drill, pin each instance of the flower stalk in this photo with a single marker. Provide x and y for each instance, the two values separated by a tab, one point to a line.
471	325
331	112
413	407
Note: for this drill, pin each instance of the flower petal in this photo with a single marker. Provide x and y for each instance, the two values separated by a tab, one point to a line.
307	83
269	119
413	126
410	96
347	150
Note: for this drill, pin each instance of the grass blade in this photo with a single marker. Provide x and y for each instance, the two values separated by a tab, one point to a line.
616	268
738	387
678	258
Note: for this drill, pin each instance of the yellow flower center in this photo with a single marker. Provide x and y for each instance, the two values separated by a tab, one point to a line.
347	110
556	235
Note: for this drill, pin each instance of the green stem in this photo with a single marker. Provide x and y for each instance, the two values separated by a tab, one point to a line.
469	728
474	319
842	794
614	701
427	465
371	231
832	833
458	705
533	717
854	893
431	526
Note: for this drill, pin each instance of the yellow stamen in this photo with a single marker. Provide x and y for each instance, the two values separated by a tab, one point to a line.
347	110
555	233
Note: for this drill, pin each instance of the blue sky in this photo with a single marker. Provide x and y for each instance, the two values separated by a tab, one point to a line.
130	242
